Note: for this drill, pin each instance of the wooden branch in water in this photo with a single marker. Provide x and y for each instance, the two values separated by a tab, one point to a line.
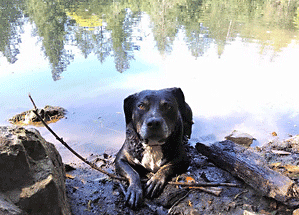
72	150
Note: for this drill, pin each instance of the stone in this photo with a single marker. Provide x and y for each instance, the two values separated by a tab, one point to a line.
32	174
243	139
49	114
293	143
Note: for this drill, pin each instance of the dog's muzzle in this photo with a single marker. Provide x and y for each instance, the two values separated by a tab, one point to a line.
154	129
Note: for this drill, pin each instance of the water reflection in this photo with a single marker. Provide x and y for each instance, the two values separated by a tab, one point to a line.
11	26
107	28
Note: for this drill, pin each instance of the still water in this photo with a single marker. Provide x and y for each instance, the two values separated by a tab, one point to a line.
236	61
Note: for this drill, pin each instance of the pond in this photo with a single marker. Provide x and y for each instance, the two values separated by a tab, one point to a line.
234	60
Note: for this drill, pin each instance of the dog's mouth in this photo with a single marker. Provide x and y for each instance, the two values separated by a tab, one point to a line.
153	142
154	138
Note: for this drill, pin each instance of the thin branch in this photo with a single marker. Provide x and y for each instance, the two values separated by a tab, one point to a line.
203	184
170	211
32	102
239	194
212	190
72	150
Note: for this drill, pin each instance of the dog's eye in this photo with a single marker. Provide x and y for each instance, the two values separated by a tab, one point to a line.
166	106
141	106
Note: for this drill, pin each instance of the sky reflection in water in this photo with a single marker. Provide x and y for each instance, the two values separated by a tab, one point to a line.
244	85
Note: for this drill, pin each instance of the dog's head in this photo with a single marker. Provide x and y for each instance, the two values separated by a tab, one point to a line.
155	115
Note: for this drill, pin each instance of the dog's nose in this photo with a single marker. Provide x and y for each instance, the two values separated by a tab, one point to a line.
153	123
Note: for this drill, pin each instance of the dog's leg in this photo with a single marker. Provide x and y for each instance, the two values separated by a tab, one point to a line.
134	192
155	185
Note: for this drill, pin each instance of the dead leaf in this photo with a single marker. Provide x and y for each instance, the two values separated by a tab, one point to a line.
294	176
266	212
189	179
245	212
274	134
292	168
69	176
275	165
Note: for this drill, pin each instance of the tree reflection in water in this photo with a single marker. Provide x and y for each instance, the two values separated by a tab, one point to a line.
108	28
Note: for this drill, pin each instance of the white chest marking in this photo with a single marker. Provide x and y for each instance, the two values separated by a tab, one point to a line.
152	158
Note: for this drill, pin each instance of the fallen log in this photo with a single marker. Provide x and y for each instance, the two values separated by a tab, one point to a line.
252	169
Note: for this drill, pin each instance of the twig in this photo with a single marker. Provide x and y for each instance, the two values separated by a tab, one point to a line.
239	194
33	102
177	202
202	184
73	151
212	190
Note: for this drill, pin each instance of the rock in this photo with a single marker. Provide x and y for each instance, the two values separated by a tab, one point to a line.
240	138
9	208
32	174
49	114
293	144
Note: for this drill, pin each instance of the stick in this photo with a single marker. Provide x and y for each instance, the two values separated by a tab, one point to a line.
239	194
203	184
212	190
72	150
177	202
33	102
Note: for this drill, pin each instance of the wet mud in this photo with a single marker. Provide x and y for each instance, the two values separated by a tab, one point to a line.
91	192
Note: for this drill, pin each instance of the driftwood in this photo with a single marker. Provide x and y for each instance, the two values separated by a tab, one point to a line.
252	169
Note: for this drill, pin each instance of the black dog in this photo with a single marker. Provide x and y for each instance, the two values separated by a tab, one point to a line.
156	123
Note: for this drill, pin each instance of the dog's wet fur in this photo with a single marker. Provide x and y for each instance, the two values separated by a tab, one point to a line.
157	121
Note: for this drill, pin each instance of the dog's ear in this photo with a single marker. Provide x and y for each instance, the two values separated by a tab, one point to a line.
128	107
179	96
185	111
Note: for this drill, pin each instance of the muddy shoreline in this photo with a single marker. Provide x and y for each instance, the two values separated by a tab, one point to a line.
91	192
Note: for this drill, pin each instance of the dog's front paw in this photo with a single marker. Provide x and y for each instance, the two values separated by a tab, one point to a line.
155	185
134	196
